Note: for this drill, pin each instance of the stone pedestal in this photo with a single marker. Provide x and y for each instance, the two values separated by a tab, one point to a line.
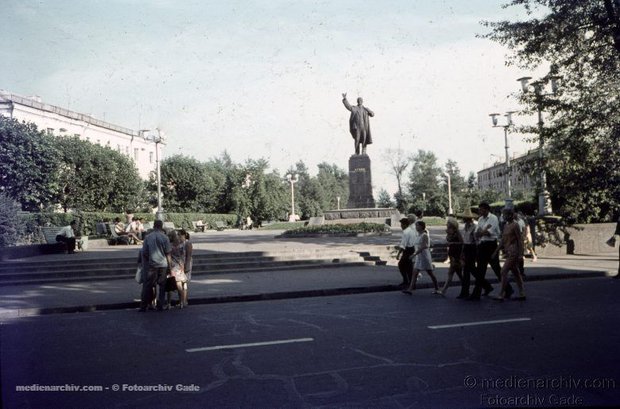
360	183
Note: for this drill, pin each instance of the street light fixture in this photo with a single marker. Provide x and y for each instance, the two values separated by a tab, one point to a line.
544	203
449	195
292	178
156	138
508	174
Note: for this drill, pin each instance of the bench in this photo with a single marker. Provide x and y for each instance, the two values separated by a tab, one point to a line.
50	233
115	238
199	226
220	225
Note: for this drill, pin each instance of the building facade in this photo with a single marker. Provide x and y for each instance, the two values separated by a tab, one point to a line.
494	177
63	122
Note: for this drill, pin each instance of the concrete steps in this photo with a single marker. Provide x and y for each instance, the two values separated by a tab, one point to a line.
60	271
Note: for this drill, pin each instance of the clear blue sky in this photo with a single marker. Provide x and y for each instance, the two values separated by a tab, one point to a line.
264	78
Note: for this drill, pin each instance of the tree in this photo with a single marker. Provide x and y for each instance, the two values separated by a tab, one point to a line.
384	200
12	226
458	186
581	42
186	185
424	185
267	196
398	160
28	164
334	184
96	178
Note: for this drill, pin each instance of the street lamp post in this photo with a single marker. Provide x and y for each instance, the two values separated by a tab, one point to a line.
449	195
508	174
292	180
544	203
156	139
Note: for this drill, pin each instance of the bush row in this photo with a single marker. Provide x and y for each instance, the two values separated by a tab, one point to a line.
87	221
339	228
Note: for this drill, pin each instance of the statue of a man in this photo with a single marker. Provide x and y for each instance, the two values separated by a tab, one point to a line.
359	124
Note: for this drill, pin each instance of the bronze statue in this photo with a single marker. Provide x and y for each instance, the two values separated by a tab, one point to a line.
359	124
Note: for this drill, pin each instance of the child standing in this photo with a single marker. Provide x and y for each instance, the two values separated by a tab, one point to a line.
423	260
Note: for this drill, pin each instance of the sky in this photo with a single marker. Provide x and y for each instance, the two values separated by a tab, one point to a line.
264	78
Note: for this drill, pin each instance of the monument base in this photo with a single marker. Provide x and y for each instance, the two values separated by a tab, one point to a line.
360	183
375	215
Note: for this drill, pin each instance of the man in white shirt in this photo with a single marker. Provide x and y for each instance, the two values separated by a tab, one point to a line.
405	250
469	251
67	235
487	233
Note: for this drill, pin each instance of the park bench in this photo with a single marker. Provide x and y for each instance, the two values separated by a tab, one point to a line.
50	233
115	238
220	225
199	226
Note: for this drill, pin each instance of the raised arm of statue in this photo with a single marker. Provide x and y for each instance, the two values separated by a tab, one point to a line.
345	101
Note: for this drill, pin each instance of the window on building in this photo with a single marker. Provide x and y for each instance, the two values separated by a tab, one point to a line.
150	157
135	154
118	147
50	131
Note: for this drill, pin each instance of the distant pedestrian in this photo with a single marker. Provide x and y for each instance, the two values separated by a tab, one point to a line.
406	248
612	242
455	253
188	251
527	238
469	251
423	260
512	244
156	259
68	235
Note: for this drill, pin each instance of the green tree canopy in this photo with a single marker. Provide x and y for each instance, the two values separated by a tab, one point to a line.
424	185
581	42
96	178
29	162
186	185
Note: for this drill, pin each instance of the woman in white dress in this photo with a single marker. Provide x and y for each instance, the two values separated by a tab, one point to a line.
423	260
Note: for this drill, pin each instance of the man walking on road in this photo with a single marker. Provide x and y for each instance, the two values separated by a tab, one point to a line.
156	261
406	250
487	234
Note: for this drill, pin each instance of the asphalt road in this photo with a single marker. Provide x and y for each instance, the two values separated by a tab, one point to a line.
387	350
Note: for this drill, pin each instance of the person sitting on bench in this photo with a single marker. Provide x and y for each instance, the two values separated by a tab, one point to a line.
67	235
121	231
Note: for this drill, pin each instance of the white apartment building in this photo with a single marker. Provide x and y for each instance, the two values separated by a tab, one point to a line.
63	122
494	177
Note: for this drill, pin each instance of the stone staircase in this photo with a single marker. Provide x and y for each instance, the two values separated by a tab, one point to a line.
24	272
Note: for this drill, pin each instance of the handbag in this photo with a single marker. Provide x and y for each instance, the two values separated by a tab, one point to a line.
139	279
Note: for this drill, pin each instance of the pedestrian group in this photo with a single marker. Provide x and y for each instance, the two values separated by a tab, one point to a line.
471	249
166	266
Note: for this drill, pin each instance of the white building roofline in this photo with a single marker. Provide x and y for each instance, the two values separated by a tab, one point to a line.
18	99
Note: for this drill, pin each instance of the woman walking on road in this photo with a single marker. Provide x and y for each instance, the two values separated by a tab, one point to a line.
188	249
423	260
512	243
455	253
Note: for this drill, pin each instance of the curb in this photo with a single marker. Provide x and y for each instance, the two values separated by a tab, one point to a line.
33	312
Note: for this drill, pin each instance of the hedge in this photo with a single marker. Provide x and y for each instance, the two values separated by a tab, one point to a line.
87	220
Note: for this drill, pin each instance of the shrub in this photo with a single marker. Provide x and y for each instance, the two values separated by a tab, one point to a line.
337	229
11	225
